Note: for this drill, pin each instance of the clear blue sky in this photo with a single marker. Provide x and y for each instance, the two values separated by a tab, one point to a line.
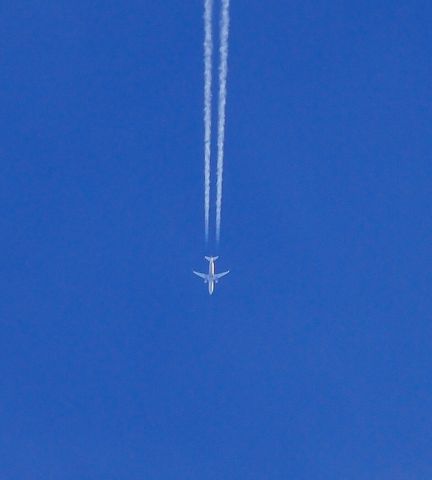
313	358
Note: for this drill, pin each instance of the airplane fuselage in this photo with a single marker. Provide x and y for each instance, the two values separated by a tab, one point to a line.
211	280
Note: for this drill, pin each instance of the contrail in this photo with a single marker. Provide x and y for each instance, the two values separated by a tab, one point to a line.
208	52
223	70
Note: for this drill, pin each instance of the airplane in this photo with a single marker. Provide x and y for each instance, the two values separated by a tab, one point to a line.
211	277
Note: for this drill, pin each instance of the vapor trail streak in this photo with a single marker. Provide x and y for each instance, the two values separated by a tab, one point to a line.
208	52
223	70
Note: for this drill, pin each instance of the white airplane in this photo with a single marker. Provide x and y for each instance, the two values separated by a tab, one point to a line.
211	277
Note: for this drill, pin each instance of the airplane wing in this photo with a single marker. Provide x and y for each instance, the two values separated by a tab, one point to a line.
202	275
220	275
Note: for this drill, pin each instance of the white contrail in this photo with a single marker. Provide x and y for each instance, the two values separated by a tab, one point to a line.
223	70
208	52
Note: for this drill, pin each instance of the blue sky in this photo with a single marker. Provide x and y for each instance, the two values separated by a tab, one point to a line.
312	359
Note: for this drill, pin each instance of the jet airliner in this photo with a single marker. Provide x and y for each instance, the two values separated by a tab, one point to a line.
211	277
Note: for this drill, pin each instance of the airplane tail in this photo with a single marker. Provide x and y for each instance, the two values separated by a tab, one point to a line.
211	258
